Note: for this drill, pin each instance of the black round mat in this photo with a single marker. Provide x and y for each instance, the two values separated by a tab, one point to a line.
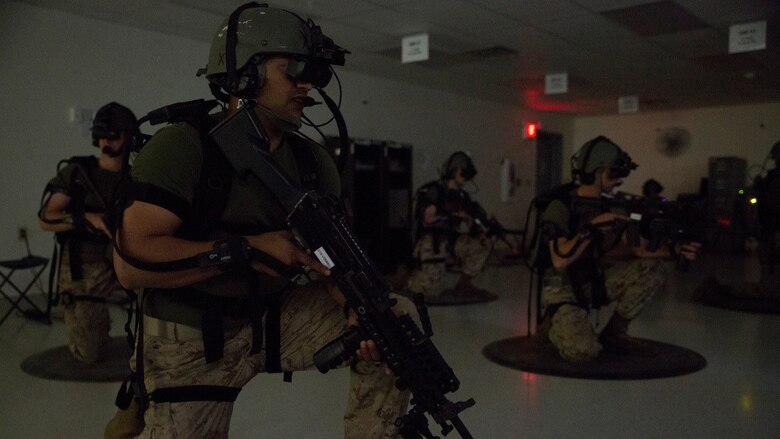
58	364
447	297
745	297
530	355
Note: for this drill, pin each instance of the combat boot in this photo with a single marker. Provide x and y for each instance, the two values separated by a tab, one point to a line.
615	338
464	288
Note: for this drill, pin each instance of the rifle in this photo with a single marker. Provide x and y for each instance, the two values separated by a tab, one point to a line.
659	221
76	207
489	225
320	226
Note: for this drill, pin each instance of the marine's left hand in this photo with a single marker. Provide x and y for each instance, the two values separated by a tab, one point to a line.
367	350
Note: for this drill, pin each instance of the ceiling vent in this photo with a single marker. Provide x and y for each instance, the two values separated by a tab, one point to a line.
735	62
659	18
489	52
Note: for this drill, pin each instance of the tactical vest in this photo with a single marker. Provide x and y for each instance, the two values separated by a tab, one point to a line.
83	245
203	221
585	275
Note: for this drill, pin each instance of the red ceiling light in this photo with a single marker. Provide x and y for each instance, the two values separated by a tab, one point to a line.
530	130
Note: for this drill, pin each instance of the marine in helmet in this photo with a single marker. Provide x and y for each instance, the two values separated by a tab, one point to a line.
445	223
76	207
208	330
590	263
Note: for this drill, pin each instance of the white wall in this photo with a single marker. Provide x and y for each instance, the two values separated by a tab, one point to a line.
743	131
53	61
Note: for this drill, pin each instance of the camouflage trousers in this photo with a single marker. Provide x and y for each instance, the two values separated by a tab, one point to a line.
309	319
429	278
87	322
629	284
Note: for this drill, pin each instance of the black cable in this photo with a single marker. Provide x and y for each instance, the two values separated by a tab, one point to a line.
308	121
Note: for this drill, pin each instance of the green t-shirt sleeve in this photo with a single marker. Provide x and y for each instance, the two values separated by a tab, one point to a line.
555	220
171	161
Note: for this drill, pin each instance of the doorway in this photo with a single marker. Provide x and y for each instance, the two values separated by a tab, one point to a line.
549	161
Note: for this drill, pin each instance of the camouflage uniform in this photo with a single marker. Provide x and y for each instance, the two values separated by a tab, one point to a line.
175	356
373	400
471	249
86	321
429	279
630	284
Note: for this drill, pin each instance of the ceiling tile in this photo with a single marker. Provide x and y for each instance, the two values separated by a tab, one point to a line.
603	59
533	11
720	13
606	5
458	14
735	62
385	21
314	9
655	18
695	43
356	39
592	31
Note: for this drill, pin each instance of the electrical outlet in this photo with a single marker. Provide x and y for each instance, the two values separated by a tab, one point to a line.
22	233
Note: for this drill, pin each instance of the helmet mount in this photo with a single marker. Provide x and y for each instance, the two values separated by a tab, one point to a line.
255	31
600	153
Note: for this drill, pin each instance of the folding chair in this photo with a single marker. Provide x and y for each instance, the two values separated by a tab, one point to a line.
36	265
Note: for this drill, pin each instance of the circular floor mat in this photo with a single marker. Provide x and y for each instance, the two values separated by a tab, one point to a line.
58	364
744	297
528	354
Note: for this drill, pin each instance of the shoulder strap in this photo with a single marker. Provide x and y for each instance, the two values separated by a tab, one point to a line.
213	189
305	160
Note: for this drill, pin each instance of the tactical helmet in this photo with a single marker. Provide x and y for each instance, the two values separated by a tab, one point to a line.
111	120
598	153
255	30
458	160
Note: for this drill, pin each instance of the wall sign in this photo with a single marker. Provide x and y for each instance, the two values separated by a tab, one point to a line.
414	48
747	37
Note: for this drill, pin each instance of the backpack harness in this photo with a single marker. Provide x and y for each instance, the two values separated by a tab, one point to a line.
587	278
445	200
200	221
80	185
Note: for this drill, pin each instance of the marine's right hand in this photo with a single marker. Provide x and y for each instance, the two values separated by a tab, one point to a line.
282	246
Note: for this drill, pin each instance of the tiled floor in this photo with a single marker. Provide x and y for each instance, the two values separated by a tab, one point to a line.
736	396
